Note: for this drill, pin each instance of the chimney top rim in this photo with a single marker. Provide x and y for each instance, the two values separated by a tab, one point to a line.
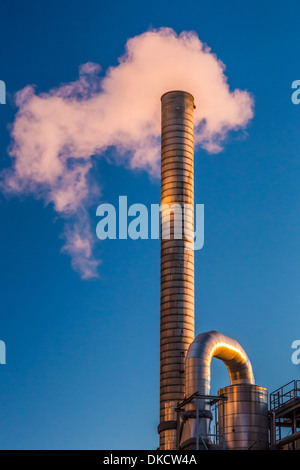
178	92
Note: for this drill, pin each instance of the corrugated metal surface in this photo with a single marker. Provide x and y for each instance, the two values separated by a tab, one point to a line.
177	256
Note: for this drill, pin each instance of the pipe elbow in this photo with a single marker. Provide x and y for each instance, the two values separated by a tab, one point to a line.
199	356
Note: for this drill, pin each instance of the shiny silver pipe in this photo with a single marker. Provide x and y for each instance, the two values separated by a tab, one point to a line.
177	256
199	357
198	372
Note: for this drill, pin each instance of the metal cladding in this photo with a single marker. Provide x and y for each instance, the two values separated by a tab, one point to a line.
177	255
245	424
185	362
198	366
199	357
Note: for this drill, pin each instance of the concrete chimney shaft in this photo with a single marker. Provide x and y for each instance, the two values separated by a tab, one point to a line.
177	258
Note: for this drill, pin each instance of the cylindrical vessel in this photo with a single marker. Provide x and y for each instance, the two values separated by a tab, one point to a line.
245	424
177	255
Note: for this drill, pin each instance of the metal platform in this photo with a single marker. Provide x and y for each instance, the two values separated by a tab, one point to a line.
209	440
285	416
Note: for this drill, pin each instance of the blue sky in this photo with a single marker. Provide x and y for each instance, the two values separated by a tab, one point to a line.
82	366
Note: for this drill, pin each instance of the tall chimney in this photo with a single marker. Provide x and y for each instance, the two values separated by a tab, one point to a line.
177	257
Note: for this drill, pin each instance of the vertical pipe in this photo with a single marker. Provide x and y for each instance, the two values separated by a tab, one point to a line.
177	256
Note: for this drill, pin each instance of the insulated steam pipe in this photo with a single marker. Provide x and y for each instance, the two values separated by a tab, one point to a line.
198	370
199	357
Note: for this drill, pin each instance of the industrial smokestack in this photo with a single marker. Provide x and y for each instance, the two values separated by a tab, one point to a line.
177	257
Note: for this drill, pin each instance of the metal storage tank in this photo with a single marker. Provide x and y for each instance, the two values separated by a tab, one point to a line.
246	417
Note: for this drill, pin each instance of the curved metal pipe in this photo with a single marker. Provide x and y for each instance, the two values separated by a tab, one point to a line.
199	356
198	369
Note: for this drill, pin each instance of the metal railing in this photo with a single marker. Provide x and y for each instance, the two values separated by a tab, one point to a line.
284	394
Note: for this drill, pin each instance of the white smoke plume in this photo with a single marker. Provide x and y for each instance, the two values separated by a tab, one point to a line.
57	136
